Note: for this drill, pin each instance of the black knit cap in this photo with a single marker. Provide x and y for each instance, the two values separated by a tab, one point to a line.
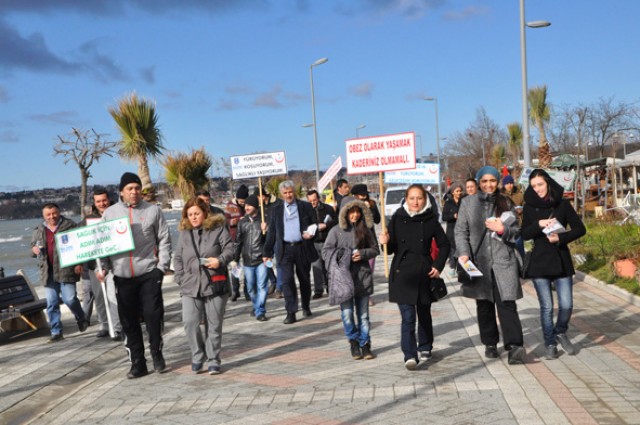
243	192
359	189
128	178
253	201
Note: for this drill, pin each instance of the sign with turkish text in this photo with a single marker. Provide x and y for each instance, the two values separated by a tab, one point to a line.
331	172
563	178
393	152
258	165
82	244
422	174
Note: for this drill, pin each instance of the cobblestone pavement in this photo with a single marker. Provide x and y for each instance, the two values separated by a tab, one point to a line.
303	373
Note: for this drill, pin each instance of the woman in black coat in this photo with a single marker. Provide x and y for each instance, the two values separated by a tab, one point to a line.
550	260
450	216
409	236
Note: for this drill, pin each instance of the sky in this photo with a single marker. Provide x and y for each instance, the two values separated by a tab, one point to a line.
233	75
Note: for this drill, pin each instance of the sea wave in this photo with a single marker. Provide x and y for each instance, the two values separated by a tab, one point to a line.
14	239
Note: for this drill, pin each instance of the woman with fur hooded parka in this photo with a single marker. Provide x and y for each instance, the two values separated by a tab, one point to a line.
353	241
202	277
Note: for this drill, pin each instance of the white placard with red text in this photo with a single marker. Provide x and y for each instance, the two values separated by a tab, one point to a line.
331	172
393	152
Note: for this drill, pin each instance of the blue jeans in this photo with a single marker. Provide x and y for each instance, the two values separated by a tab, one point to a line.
257	282
360	331
408	312
564	289
67	291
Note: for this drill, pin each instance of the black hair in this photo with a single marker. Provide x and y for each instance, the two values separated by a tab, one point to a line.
203	192
547	178
471	179
313	192
100	190
361	232
341	182
50	205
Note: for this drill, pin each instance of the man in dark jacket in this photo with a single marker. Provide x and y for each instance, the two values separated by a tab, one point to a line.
341	190
325	218
59	282
288	238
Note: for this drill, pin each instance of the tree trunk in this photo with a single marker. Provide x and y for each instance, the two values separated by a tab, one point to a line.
145	178
544	150
84	177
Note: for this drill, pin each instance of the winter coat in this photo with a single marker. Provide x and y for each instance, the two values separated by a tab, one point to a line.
249	241
343	237
215	241
410	242
274	244
39	238
449	212
550	260
322	211
151	239
495	257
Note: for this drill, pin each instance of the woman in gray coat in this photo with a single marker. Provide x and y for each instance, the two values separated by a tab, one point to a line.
482	236
354	238
200	262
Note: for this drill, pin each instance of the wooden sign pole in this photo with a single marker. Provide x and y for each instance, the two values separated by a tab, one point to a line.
261	203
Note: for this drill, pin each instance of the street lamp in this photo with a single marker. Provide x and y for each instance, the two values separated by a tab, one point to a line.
360	127
523	61
435	100
313	112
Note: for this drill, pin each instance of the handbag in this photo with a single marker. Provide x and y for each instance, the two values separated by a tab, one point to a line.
438	289
218	282
463	276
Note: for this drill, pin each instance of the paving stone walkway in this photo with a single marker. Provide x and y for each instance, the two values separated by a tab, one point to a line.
303	373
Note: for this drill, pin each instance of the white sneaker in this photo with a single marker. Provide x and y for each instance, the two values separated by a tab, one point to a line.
424	355
411	364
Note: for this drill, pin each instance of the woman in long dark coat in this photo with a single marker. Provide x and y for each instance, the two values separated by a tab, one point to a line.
409	236
450	216
481	234
550	258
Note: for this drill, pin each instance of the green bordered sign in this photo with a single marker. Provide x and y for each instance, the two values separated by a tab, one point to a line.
102	239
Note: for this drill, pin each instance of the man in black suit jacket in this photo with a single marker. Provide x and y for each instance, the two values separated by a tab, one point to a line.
287	237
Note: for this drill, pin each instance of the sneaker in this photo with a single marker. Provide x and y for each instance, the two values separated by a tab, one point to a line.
158	362
83	325
551	352
411	364
356	352
102	333
196	367
55	338
118	336
517	355
366	352
214	370
491	352
424	355
567	346
138	370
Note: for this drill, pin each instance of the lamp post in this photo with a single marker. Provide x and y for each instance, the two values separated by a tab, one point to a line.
523	61
435	100
360	127
313	112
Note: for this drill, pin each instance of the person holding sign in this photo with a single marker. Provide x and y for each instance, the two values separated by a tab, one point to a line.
203	251
411	230
545	210
499	286
59	282
290	237
138	274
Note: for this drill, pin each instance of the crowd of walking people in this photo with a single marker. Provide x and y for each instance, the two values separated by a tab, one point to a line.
278	244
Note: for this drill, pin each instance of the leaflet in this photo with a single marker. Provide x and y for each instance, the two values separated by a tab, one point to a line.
471	269
554	227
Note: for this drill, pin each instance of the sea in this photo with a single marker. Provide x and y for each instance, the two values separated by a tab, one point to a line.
15	244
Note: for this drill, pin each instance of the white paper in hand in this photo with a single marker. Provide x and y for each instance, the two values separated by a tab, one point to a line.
471	269
554	227
311	230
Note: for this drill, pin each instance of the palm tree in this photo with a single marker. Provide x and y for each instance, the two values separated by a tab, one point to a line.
515	143
188	172
498	156
540	113
137	122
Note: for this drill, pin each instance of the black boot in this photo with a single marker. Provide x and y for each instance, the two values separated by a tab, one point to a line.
356	353
138	369
158	362
366	352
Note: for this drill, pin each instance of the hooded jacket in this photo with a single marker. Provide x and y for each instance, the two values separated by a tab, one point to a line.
214	241
342	236
550	260
151	239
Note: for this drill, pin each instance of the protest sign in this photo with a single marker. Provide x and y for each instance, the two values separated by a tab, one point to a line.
258	165
381	153
423	174
91	242
330	173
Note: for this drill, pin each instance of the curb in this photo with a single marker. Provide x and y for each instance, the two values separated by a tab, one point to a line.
609	288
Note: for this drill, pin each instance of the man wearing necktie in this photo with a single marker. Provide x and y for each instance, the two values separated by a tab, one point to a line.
291	242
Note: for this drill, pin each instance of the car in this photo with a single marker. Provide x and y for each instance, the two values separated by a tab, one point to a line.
393	198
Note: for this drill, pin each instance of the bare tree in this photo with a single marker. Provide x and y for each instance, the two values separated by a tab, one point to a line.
86	149
604	118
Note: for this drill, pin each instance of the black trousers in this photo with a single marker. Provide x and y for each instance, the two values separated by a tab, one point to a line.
509	320
294	257
137	297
